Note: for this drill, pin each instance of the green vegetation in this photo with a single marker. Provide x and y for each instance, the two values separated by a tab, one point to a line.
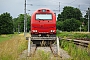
11	49
70	12
41	55
19	23
6	37
71	19
9	25
6	23
77	53
73	35
71	25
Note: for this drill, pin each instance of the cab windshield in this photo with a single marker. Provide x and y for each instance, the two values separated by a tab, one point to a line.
43	16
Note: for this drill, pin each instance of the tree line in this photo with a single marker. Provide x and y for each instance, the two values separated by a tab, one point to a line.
70	19
9	25
19	23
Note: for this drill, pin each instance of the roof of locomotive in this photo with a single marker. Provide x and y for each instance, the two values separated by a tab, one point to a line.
43	8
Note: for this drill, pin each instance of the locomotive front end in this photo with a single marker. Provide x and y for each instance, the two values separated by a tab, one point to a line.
43	23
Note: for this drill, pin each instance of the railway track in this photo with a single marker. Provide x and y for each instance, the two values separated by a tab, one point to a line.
51	48
33	50
79	42
54	49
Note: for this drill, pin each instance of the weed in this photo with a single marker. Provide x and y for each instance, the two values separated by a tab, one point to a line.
40	55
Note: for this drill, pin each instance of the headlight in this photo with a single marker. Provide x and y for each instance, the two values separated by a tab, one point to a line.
43	10
34	30
52	30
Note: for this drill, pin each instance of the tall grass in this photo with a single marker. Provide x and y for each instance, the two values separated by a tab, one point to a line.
9	50
73	35
77	53
6	37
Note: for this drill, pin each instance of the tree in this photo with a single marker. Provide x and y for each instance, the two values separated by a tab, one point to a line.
60	18
71	25
86	19
6	23
60	25
19	23
69	12
70	19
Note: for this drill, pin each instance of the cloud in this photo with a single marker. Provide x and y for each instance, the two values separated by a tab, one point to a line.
16	7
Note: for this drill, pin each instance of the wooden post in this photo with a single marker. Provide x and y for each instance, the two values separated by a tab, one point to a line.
58	46
29	47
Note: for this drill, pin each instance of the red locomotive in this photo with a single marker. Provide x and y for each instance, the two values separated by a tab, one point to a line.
43	30
43	26
43	23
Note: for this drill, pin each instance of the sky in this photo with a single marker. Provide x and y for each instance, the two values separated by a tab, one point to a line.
16	7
